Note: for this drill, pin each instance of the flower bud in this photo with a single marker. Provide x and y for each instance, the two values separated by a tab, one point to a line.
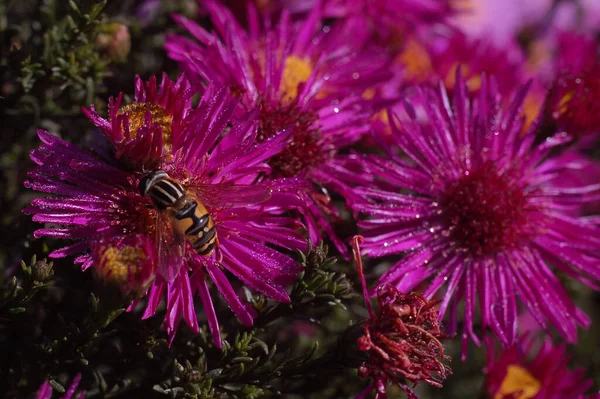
115	40
42	271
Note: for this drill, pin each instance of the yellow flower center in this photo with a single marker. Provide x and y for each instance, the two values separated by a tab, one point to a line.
539	55
532	106
297	70
137	119
382	115
473	82
119	265
518	384
416	61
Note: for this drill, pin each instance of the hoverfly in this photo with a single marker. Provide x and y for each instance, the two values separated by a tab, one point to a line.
182	215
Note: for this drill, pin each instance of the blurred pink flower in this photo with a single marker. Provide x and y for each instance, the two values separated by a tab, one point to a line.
45	391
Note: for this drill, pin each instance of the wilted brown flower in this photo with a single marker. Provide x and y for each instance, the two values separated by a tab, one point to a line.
402	341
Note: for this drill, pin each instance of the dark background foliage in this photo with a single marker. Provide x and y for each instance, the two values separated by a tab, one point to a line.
56	321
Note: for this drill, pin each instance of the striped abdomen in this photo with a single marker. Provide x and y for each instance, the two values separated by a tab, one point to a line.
193	220
190	217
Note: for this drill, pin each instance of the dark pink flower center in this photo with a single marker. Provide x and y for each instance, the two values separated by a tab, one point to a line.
485	211
304	149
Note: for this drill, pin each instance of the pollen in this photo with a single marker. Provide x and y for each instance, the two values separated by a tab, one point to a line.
137	113
121	264
486	211
416	61
532	105
518	384
296	71
473	80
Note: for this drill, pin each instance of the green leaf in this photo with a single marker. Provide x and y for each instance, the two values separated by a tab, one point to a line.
97	9
74	7
57	386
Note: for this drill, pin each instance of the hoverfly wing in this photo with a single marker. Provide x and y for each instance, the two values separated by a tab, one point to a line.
219	196
170	246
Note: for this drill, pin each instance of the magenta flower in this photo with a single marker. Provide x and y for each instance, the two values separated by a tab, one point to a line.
402	341
533	371
384	16
45	391
303	76
476	206
387	18
128	261
391	19
574	102
98	202
497	20
477	56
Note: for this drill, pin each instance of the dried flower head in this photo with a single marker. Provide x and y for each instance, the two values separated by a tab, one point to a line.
402	341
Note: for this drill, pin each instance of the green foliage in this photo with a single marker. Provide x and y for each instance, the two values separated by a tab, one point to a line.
57	321
316	286
83	328
16	295
66	67
247	366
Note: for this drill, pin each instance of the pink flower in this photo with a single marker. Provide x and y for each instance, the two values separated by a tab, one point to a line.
98	202
45	391
302	76
479	208
533	371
